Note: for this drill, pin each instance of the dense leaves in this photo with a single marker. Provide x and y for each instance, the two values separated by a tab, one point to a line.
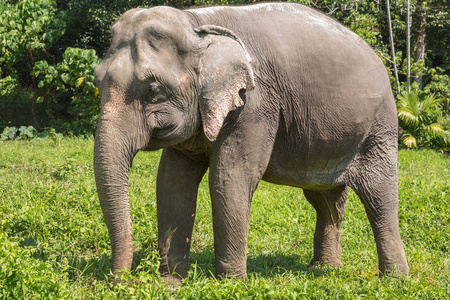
418	117
22	276
74	74
27	30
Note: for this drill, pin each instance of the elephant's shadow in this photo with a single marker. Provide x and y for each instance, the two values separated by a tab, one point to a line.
264	265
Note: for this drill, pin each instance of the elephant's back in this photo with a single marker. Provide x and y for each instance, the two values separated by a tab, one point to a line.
302	47
281	26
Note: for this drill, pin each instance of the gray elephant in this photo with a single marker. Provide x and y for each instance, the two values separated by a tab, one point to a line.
275	92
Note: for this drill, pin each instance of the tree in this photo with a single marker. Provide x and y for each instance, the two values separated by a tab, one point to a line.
420	40
391	37
408	46
437	39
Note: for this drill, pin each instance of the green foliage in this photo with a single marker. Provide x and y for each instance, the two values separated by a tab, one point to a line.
365	25
75	74
438	27
27	30
23	133
54	241
439	84
9	133
29	132
76	70
417	114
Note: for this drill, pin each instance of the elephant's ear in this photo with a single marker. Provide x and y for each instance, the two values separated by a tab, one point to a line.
224	71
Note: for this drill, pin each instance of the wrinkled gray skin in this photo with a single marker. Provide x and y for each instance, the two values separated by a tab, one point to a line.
274	92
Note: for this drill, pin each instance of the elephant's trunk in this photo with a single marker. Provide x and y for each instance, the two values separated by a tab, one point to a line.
114	151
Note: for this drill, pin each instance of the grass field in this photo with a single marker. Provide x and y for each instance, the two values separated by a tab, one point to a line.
54	243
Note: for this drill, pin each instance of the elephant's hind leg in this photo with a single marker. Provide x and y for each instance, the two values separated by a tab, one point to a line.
329	206
376	185
380	198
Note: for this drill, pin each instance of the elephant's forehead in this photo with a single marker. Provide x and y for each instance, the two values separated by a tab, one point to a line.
165	29
134	19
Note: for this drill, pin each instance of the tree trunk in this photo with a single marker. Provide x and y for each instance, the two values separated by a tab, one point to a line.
392	45
420	42
408	46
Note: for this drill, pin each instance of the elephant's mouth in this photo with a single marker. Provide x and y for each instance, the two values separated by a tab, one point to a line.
162	134
166	134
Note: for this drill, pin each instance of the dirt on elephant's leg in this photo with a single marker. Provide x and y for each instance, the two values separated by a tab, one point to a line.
329	206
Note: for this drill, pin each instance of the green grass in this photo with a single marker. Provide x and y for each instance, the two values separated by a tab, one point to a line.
54	243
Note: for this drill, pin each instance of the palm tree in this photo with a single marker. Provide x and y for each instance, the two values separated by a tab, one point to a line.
415	115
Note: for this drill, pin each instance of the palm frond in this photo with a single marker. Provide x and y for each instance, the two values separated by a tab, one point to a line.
408	118
409	141
428	102
408	102
435	128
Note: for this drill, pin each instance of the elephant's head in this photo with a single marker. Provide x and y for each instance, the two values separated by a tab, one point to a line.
160	82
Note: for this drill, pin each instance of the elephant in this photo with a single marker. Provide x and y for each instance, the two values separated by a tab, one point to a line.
277	92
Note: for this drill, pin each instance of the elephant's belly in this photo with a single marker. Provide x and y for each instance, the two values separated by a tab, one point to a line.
320	174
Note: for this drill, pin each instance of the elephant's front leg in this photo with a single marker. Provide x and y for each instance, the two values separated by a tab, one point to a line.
176	192
236	168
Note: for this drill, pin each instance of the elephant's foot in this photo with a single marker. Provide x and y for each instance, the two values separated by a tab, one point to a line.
173	278
396	271
172	281
327	247
224	270
331	261
222	275
395	265
391	254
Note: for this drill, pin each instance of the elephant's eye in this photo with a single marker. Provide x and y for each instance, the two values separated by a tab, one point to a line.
153	92
152	89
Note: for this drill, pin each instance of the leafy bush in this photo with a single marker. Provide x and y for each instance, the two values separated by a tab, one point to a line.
439	84
74	75
27	30
23	133
417	114
27	133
